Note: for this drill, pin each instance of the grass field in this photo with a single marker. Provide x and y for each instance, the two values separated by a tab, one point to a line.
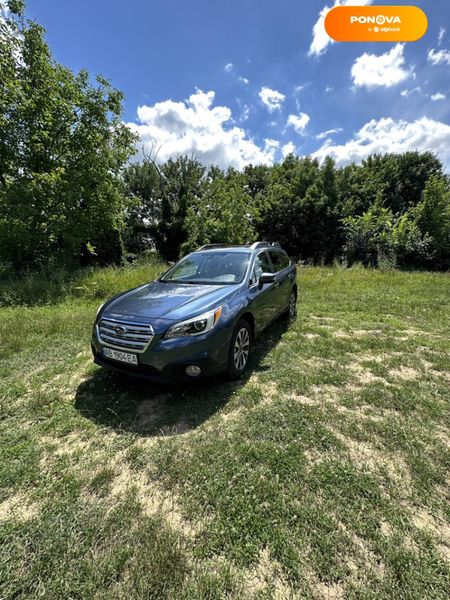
323	474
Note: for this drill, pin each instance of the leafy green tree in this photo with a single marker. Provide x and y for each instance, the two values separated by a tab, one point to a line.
377	238
369	237
143	214
182	185
432	216
300	210
225	213
62	149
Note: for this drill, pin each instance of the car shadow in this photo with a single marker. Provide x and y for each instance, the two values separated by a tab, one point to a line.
127	404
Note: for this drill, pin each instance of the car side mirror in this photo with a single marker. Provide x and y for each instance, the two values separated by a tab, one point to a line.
266	278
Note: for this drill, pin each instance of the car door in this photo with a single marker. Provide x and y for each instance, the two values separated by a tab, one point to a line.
263	299
281	264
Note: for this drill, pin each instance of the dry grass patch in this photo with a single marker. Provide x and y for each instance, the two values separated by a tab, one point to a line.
266	577
405	373
367	456
154	501
18	507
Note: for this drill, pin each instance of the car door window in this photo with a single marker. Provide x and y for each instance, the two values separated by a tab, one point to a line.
262	265
280	261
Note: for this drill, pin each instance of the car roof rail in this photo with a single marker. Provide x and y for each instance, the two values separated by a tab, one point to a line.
212	246
257	245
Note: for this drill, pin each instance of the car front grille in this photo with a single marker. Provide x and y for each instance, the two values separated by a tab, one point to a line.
125	335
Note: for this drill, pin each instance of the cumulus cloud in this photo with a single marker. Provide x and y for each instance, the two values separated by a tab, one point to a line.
328	132
438	96
386	70
321	39
243	80
442	32
197	127
439	57
271	99
228	67
388	135
288	148
299	122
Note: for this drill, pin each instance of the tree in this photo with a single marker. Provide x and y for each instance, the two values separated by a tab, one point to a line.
401	178
300	210
182	184
369	237
62	149
143	190
432	216
224	214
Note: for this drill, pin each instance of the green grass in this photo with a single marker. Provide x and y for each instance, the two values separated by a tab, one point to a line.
324	473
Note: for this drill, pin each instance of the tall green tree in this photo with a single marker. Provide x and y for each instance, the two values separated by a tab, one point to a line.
182	186
300	210
143	182
432	216
62	149
224	214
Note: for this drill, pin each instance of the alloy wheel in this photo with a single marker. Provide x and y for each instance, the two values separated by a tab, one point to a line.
241	349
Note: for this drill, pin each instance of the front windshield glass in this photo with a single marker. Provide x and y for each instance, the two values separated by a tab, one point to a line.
210	268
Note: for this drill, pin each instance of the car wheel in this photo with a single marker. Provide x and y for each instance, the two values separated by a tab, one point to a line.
292	310
239	350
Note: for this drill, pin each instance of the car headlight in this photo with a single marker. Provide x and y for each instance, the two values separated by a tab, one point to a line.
195	326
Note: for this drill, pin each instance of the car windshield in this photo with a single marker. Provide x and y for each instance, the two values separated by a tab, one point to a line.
217	268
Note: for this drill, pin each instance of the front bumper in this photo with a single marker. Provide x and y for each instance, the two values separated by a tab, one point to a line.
165	361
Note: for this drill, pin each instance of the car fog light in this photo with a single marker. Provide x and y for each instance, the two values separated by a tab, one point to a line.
193	371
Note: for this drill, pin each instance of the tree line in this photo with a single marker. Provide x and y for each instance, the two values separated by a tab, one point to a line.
392	209
69	195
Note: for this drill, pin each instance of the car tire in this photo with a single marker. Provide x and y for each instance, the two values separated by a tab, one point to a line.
291	312
239	352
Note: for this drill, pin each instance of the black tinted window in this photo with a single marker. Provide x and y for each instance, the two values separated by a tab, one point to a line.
280	260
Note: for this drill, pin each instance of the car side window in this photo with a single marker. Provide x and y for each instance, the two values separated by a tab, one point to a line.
280	261
262	265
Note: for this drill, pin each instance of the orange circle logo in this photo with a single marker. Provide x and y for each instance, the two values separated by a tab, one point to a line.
376	23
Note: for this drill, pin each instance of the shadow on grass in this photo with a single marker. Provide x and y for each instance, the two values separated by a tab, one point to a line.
148	409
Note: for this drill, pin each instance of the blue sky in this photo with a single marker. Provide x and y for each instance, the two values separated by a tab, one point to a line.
269	85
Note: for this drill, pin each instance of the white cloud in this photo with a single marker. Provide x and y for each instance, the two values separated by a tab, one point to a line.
438	96
197	127
385	70
442	32
228	67
299	88
388	135
438	57
243	80
245	112
325	134
288	148
406	93
321	39
270	144
271	98
299	122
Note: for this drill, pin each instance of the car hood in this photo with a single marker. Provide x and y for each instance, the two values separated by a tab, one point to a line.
166	300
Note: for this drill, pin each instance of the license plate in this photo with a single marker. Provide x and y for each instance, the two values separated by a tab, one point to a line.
124	357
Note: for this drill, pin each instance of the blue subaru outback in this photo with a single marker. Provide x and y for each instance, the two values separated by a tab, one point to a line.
200	317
